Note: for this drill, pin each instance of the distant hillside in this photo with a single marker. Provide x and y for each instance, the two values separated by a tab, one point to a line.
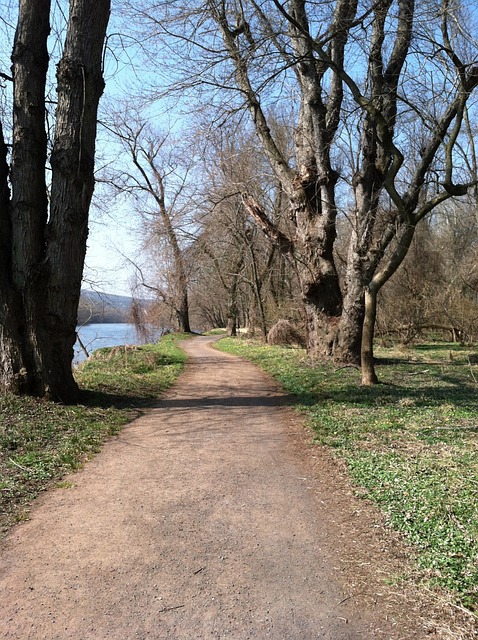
103	307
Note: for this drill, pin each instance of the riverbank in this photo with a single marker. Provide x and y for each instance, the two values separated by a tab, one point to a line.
94	336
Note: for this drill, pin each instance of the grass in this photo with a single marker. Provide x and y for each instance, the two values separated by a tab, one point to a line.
132	375
41	441
216	332
410	444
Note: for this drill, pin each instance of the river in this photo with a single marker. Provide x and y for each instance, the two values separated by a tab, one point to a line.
95	336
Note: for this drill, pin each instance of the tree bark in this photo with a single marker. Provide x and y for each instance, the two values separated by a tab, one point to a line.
80	86
376	162
46	247
182	311
369	377
28	209
394	260
314	263
231	328
12	370
310	188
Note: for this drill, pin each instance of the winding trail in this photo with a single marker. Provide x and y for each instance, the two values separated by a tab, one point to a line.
200	520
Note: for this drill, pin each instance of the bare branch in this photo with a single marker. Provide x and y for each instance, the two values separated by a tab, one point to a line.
257	213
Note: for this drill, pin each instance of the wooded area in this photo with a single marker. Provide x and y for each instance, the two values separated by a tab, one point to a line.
305	161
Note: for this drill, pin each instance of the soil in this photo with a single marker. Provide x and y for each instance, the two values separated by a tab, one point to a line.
210	516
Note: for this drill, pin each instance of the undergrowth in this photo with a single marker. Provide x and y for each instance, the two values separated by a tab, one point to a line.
410	444
40	441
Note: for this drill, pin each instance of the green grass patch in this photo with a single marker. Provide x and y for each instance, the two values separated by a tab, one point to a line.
132	374
216	332
410	444
40	441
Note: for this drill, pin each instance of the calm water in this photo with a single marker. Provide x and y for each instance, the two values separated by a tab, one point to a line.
95	336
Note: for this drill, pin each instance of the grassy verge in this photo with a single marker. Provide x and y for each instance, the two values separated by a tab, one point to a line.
410	444
41	441
132	376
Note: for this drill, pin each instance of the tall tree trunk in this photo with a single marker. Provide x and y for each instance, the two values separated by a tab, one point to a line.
315	213
12	370
29	205
394	260
257	283
369	377
80	86
309	186
231	328
182	312
232	310
180	302
44	258
360	265
311	252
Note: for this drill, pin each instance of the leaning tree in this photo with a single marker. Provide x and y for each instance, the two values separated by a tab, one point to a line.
45	195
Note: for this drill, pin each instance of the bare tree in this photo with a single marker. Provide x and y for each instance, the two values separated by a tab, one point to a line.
219	272
155	176
243	261
436	289
43	239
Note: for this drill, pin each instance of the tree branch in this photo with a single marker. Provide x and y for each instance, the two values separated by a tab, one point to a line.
276	236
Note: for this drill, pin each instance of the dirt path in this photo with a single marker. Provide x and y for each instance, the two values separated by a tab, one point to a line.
201	520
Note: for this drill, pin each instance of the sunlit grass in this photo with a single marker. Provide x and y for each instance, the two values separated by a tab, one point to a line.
137	373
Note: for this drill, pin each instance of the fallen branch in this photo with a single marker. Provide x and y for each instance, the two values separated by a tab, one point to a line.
180	606
18	465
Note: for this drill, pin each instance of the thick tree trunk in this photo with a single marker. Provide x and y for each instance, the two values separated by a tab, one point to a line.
11	362
23	294
369	180
349	331
348	350
310	184
311	251
12	370
318	278
257	283
231	328
232	310
80	85
44	250
232	289
323	316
